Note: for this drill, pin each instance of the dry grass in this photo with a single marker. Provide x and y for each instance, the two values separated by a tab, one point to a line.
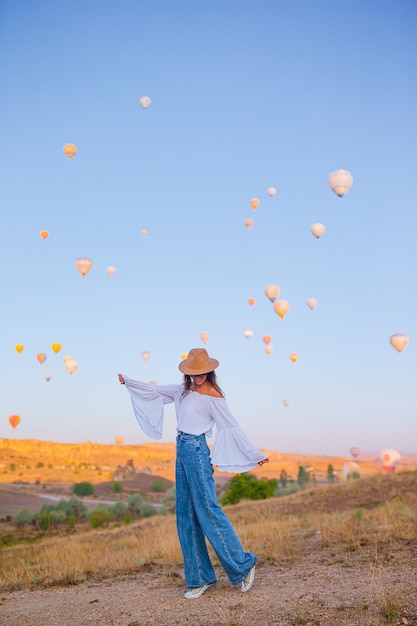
377	516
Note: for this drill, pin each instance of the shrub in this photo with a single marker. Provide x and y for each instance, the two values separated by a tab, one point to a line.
45	519
119	510
247	486
134	503
83	489
99	517
168	500
158	485
117	486
23	517
39	465
147	510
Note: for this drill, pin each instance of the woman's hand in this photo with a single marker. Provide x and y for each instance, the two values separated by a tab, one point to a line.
121	379
263	461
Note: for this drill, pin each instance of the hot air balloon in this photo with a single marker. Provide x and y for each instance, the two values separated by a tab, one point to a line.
70	150
111	270
389	460
56	347
184	356
294	357
312	303
268	349
251	301
286	402
351	470
399	341
145	102
248	333
119	440
355	452
204	336
41	357
146	355
254	203
143	233
14	420
71	366
66	358
48	378
19	347
84	265
267	339
340	182
317	229
272	292
153	382
44	234
249	223
281	307
271	191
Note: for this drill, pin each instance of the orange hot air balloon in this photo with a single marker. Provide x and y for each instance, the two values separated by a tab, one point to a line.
146	355
143	233
312	303
281	307
267	339
56	347
399	341
41	357
204	337
70	150
19	347
249	223
71	366
111	270
14	420
251	301
317	230
48	378
286	402
268	349
66	358
254	203
272	292
84	265
44	234
271	191
248	333
294	357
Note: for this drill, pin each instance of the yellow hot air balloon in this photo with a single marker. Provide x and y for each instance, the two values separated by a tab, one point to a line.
184	356
19	347
70	150
249	223
272	292
41	357
119	440
204	336
267	339
48	378
145	102
317	229
44	234
340	182
254	203
268	349
14	420
271	191
399	341
56	347
286	402
111	270
248	333
281	307
71	366
146	355
84	265
251	301
294	357
312	303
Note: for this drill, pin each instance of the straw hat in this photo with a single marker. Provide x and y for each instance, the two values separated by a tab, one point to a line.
198	362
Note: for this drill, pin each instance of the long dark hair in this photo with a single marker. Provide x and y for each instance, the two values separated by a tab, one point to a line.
211	377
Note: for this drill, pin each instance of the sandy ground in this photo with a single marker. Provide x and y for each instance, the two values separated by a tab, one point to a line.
323	590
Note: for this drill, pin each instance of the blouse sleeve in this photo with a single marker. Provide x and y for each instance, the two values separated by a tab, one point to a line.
232	449
148	404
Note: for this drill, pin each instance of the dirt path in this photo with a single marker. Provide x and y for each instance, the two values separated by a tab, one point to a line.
321	591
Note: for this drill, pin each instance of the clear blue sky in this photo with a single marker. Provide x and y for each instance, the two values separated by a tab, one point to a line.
245	95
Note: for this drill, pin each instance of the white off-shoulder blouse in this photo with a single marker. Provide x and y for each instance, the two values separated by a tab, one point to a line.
196	414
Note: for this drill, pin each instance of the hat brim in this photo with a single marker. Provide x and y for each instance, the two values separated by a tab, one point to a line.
209	367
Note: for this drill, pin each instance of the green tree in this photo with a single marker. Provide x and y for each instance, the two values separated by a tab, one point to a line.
330	473
158	485
283	479
83	489
23	517
168	501
134	503
303	476
117	486
247	486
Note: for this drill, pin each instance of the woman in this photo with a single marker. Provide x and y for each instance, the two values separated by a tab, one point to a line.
200	404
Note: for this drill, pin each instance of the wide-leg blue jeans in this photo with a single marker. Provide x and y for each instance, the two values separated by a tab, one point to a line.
199	516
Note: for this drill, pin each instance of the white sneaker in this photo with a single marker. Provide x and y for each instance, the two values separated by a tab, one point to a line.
195	593
248	582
